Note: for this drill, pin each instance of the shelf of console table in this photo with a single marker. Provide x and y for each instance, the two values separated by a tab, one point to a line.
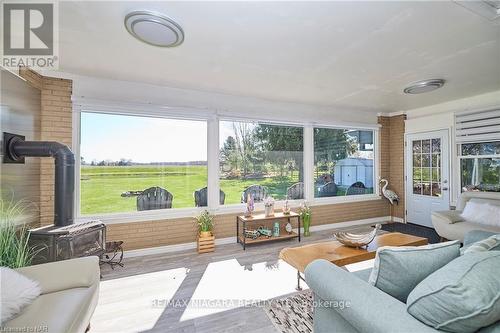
278	217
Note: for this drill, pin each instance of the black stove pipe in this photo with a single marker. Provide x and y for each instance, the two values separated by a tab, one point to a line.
64	188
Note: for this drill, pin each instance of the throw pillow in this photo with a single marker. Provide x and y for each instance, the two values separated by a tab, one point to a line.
491	215
461	297
471	210
397	270
481	213
483	245
17	291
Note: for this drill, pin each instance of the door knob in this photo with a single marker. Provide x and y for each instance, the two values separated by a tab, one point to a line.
445	189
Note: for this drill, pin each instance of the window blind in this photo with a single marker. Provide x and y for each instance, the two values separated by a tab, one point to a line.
477	126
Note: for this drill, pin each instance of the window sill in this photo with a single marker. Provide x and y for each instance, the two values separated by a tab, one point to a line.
344	199
153	215
131	217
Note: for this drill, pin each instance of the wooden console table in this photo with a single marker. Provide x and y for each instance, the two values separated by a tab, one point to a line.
261	218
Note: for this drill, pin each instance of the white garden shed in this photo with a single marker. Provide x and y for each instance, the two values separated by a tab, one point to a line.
351	170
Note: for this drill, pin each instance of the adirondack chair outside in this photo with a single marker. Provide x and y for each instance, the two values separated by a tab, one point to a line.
328	190
201	197
154	198
296	191
258	192
356	189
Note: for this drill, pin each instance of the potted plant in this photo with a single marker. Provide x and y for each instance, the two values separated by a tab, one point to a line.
15	251
269	206
305	215
206	239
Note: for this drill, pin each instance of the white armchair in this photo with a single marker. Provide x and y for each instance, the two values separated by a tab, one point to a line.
69	294
449	224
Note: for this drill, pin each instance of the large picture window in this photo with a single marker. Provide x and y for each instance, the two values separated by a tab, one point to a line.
131	163
343	162
134	163
260	160
480	167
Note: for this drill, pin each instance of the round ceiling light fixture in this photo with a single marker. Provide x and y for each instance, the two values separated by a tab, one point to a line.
154	28
424	86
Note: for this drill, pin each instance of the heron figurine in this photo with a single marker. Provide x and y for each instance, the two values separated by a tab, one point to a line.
389	195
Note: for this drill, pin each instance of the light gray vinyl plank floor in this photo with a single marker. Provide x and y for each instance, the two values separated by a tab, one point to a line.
128	294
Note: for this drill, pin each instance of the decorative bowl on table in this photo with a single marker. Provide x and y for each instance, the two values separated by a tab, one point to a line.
357	240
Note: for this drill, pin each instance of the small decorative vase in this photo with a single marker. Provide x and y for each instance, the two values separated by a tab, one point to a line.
276	229
306	222
269	210
286	208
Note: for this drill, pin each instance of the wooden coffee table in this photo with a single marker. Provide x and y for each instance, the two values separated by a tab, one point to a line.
341	255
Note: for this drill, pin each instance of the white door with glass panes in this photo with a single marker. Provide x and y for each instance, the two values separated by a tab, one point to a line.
427	176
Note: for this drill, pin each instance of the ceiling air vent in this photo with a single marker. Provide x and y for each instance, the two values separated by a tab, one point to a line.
489	9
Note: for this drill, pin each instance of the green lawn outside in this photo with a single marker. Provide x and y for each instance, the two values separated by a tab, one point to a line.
101	186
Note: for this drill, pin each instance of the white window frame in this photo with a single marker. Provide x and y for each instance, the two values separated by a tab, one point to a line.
348	198
212	118
469	157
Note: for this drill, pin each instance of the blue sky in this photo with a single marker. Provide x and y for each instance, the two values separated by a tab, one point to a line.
142	139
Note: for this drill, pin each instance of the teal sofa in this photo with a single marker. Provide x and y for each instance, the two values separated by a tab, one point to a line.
346	302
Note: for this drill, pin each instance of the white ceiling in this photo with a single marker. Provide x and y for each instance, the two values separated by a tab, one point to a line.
342	54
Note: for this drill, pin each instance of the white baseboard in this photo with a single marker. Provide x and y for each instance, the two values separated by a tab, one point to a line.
398	219
232	240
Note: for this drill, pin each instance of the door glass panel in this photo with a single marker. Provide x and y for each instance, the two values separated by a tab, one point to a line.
426	189
417	179
436	145
436	160
436	189
426	160
436	175
426	146
417	188
427	167
417	161
417	147
426	174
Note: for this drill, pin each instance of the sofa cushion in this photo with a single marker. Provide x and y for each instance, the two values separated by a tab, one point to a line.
61	311
491	215
397	270
476	235
487	244
459	230
363	274
16	292
493	328
463	296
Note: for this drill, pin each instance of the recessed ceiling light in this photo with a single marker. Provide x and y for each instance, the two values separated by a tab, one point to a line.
424	86
154	28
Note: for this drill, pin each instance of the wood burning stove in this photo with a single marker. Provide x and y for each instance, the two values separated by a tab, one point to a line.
63	239
53	243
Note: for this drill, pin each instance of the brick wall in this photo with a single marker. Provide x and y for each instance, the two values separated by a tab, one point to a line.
55	125
392	157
